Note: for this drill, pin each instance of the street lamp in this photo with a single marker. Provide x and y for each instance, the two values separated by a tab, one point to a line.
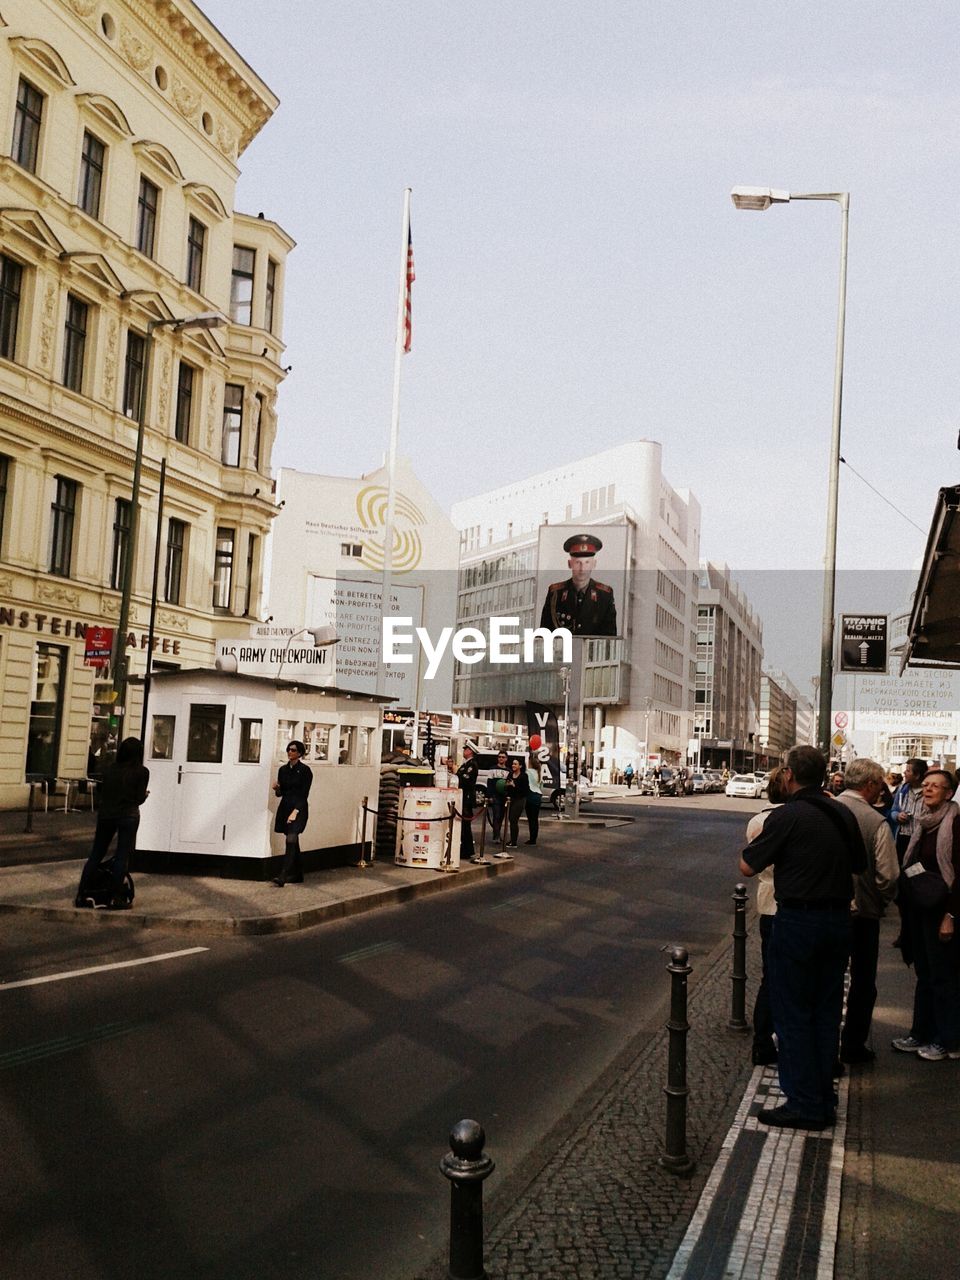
203	320
323	638
760	198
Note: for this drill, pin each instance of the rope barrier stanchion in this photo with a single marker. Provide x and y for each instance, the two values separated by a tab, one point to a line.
481	813
446	862
363	863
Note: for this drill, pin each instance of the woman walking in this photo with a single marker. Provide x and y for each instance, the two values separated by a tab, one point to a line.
516	792
122	792
293	784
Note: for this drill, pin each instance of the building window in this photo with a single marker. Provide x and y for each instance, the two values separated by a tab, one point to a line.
271	297
61	532
147	203
11	278
121	542
133	374
184	410
196	239
4	487
232	425
223	570
46	711
256	431
251	565
173	570
26	126
92	158
74	343
241	285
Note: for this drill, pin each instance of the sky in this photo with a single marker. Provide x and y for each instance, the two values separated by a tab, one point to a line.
583	278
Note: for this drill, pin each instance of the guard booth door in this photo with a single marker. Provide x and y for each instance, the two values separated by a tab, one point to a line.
199	822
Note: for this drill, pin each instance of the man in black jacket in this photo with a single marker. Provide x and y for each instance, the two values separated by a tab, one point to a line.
815	848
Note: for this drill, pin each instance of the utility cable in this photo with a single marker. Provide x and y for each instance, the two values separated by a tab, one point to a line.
881	496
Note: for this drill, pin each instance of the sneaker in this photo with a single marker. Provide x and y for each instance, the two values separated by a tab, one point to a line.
907	1044
936	1053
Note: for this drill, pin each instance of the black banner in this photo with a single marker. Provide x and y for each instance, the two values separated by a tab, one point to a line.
542	722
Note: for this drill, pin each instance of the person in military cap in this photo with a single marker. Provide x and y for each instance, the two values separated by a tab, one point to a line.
581	604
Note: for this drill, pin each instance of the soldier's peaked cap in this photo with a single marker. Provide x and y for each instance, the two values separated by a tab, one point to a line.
583	544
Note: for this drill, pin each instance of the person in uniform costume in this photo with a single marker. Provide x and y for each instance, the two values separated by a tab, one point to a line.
581	604
467	781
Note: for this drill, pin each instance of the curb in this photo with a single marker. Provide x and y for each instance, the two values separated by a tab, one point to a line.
285	922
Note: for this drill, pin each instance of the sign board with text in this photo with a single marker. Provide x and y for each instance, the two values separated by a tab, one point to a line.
863	642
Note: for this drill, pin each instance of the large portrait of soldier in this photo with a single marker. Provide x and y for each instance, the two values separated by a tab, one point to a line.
585	601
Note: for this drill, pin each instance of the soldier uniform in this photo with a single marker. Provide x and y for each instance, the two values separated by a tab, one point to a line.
590	611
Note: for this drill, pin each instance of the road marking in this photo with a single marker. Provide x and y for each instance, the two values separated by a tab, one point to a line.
64	1044
99	968
366	953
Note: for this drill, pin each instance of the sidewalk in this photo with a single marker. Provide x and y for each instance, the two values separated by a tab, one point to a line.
873	1199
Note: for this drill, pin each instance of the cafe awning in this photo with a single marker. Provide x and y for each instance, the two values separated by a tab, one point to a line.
933	636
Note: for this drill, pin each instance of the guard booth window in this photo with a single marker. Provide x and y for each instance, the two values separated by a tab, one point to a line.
251	735
205	735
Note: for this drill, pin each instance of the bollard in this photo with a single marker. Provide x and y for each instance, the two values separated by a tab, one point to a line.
738	976
363	863
466	1166
675	1158
478	856
29	827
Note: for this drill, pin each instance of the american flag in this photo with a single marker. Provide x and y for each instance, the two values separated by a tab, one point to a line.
407	299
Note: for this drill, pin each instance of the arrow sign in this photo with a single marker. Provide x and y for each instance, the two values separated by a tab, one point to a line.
863	642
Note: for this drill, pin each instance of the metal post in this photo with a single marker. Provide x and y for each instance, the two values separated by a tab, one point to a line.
675	1158
478	857
738	977
154	591
29	827
466	1166
363	863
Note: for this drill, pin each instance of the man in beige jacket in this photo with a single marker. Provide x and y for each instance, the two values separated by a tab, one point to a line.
873	889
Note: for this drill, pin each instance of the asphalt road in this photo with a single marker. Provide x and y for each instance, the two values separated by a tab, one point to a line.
278	1106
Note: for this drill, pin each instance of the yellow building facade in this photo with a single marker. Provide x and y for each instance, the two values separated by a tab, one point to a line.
121	125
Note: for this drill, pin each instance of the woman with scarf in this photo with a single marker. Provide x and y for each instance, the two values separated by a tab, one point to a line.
930	884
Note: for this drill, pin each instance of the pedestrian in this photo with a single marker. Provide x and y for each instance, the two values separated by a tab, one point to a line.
873	889
930	887
815	848
764	1050
467	782
495	794
294	780
123	789
516	790
534	799
628	776
906	808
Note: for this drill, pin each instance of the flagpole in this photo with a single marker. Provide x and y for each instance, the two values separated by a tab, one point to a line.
386	582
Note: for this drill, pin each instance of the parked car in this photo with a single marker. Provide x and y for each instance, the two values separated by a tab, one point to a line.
764	780
587	794
745	784
714	780
698	783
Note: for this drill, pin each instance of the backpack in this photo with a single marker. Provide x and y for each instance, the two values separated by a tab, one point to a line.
101	891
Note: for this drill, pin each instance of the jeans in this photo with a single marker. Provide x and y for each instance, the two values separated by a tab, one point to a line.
936	1000
862	995
125	830
808	958
762	1015
534	800
495	808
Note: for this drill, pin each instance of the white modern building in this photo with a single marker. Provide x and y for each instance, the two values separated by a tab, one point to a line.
326	562
638	688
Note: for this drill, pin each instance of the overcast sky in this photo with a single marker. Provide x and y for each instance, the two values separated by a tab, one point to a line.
583	278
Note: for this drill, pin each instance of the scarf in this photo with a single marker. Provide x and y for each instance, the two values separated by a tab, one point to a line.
936	821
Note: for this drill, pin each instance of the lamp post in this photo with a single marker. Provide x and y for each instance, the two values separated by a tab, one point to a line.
760	198
204	320
323	638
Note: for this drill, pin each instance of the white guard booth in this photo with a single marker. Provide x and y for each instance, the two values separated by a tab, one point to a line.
214	743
